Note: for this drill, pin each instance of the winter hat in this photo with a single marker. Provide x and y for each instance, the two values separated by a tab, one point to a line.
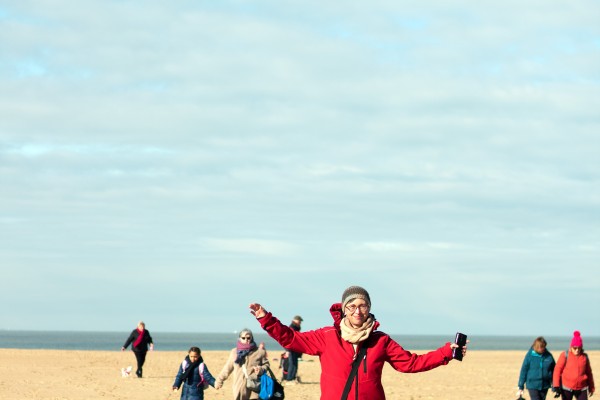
576	341
355	292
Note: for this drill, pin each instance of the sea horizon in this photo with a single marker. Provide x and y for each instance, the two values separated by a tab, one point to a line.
221	341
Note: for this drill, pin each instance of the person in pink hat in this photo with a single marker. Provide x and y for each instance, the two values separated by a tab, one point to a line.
572	378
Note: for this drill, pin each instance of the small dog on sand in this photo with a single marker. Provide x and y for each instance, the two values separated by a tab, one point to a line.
125	372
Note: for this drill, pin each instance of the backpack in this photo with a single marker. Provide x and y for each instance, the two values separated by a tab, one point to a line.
270	388
203	382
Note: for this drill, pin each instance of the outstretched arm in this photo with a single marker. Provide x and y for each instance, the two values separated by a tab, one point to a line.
284	335
309	342
407	362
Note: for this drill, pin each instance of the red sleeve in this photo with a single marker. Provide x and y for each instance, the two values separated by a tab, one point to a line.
558	369
405	361
310	342
590	376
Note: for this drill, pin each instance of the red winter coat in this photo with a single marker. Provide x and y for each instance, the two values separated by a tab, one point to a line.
573	372
336	356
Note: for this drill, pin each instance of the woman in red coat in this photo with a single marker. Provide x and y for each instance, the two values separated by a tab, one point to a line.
337	346
573	377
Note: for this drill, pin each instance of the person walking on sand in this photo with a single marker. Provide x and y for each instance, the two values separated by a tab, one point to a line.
139	339
536	370
293	356
247	362
194	375
572	378
353	336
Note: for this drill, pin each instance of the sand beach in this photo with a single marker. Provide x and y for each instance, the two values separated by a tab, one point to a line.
70	374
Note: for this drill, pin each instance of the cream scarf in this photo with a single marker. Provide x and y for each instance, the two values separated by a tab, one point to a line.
356	335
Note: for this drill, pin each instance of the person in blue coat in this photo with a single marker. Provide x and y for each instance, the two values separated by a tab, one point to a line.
194	376
536	371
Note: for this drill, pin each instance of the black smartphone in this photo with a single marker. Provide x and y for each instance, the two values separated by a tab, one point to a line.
461	341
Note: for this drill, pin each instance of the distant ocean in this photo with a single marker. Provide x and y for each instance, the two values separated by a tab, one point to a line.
167	341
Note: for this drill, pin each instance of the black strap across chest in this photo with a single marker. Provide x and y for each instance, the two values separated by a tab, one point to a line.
362	351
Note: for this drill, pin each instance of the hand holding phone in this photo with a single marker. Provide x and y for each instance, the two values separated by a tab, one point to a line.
461	341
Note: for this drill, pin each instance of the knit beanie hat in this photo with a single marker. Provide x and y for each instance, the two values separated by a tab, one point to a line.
355	292
576	341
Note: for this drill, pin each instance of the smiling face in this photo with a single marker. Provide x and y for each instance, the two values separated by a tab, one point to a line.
357	312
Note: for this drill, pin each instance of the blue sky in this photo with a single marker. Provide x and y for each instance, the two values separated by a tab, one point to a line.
175	161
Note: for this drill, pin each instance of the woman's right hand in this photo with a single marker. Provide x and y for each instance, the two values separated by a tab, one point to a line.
257	310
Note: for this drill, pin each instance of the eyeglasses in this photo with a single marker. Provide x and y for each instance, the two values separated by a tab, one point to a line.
352	308
575	348
246	337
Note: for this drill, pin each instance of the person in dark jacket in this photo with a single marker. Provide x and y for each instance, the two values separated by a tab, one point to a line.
536	371
293	356
140	340
354	331
194	375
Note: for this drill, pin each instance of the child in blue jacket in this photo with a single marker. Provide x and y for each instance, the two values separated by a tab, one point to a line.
194	376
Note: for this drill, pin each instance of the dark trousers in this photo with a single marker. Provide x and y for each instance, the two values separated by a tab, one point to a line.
574	395
292	366
140	356
535	394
